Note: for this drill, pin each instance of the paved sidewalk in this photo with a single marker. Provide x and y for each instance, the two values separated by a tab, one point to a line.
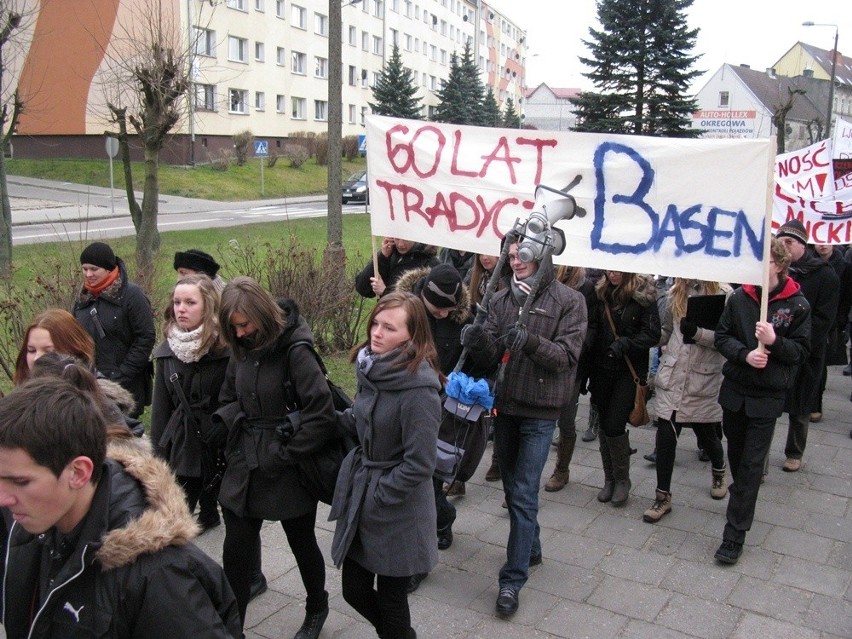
608	574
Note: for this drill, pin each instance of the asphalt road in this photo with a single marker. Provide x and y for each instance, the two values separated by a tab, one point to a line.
46	211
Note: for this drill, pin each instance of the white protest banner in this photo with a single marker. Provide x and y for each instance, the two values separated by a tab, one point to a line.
678	207
808	172
842	139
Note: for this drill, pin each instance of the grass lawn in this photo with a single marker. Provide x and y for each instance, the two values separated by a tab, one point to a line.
30	260
235	184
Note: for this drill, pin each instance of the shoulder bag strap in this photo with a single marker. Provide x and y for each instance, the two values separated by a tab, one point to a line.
174	378
614	332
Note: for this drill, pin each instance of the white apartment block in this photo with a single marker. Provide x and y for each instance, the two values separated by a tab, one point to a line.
263	64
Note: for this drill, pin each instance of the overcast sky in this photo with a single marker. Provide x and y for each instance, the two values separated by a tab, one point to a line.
753	32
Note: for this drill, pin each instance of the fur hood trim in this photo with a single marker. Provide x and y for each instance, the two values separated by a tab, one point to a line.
166	520
411	281
117	394
646	292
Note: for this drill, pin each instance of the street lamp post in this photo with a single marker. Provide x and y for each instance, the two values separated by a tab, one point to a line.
833	71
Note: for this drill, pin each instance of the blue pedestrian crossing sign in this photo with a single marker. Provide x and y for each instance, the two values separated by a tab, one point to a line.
362	144
261	148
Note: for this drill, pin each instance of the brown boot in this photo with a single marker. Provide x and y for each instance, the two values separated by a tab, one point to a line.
564	453
493	472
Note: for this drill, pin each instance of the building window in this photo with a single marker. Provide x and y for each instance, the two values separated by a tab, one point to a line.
377	45
394	37
408	41
394	5
237	100
724	99
237	49
259	51
299	16
258	5
352	113
365	41
407	8
280	56
237	4
205	97
363	115
299	62
353	37
377	8
280	104
353	76
205	42
298	108
320	67
363	78
259	101
320	110
321	24
279	8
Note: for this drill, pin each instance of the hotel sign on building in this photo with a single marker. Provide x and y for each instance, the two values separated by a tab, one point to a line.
725	124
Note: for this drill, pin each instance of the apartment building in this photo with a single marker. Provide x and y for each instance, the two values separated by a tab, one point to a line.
261	65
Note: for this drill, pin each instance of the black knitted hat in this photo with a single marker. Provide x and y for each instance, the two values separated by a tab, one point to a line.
98	254
196	260
795	229
443	286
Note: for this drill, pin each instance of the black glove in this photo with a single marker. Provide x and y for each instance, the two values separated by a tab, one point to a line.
516	338
471	335
617	349
689	330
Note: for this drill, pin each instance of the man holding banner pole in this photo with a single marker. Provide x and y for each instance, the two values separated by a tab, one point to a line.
762	360
540	355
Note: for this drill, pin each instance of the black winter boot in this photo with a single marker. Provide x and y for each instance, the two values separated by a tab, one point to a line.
605	493
619	450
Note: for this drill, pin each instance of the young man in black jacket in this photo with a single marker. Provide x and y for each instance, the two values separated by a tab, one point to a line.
756	381
100	544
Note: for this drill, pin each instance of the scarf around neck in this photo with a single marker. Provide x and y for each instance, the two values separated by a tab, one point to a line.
186	345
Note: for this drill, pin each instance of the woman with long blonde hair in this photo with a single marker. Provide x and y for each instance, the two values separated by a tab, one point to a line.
687	391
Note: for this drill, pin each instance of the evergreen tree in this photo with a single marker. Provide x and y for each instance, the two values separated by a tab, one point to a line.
511	119
461	95
395	92
641	66
491	115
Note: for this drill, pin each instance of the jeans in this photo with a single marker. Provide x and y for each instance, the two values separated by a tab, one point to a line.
749	439
522	445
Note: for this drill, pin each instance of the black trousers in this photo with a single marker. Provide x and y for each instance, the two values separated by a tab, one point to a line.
385	605
239	552
668	432
749	439
446	511
613	393
208	508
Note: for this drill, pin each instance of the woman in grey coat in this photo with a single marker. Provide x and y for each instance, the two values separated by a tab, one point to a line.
384	503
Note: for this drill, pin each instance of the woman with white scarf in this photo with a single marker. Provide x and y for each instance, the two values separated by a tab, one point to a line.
191	360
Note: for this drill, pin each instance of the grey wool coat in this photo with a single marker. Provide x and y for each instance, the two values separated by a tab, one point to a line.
384	502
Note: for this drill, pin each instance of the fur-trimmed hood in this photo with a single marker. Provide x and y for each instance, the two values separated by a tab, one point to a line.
646	290
412	281
147	508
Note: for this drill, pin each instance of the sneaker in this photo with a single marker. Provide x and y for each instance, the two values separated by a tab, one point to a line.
792	465
414	582
535	560
661	506
651	457
729	552
590	435
703	455
816	416
507	602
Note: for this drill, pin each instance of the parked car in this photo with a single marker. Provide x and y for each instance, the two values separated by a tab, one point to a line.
355	188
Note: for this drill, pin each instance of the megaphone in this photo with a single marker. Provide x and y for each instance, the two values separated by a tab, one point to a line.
538	231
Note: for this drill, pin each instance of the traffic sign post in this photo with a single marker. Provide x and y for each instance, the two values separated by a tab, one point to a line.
112	151
261	150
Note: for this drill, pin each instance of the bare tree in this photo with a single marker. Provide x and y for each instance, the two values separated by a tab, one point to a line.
779	117
147	81
11	21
